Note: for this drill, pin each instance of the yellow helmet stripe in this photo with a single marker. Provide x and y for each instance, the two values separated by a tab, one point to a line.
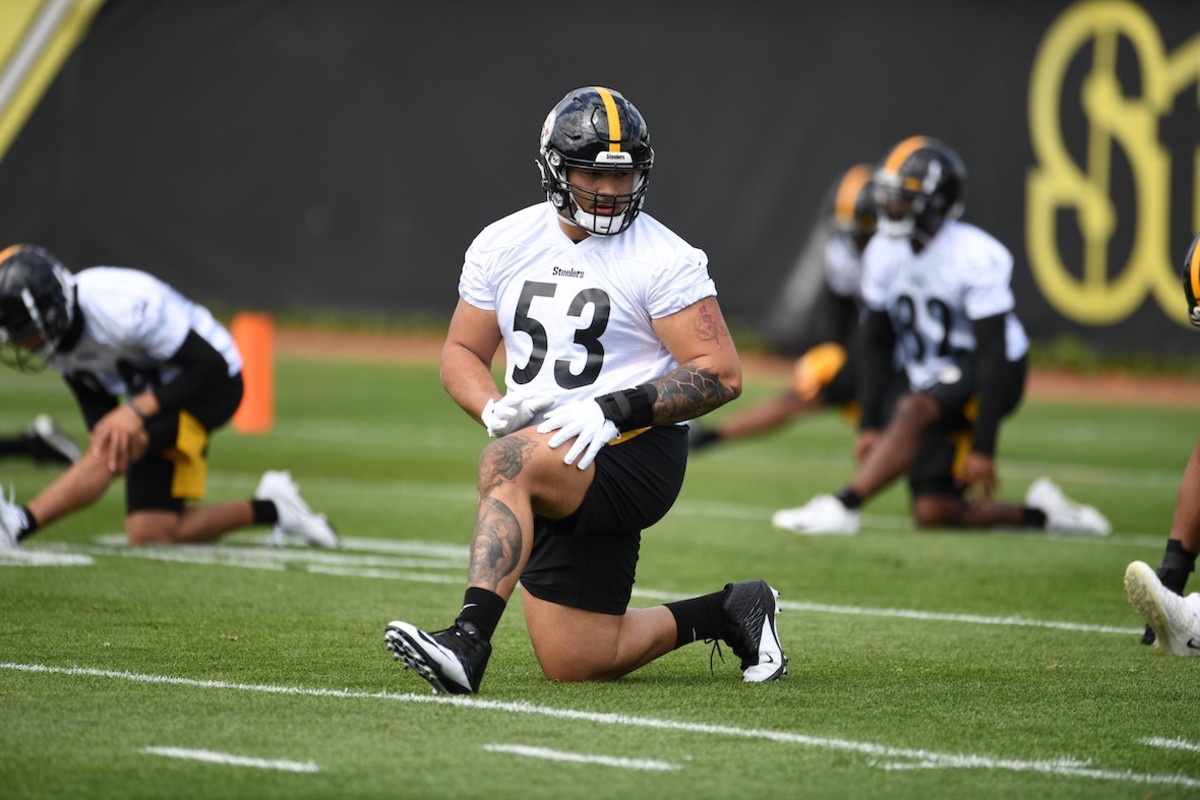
902	151
848	190
9	251
1194	272
614	119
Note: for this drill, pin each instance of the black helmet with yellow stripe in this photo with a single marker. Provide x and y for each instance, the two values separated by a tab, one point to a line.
37	306
596	129
920	184
1191	281
854	205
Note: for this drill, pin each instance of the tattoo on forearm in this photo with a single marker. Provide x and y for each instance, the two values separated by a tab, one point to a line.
689	392
709	327
496	545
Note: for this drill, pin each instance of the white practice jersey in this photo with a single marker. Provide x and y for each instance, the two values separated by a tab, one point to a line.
576	318
134	323
932	297
843	267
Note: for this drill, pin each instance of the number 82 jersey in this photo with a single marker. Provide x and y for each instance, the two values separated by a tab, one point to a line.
934	296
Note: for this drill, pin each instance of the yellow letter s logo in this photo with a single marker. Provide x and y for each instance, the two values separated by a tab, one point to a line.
1096	294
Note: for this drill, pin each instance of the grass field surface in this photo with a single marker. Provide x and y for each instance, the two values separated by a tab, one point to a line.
955	664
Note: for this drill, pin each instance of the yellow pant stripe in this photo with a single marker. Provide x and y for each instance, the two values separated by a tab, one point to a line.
188	456
627	435
962	438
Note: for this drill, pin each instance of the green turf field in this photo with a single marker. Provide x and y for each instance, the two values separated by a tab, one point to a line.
953	665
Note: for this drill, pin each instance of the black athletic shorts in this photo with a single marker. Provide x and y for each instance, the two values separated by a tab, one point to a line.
588	560
175	467
842	390
944	447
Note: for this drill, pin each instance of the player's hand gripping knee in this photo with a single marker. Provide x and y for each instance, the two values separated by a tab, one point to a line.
512	412
583	421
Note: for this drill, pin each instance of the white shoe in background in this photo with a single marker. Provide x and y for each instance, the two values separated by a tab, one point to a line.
1064	515
824	514
295	517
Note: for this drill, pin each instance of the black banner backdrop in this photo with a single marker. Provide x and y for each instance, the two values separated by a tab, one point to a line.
340	156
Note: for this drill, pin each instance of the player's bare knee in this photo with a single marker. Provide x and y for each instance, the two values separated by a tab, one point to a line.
574	673
927	520
503	460
936	514
139	535
141	538
917	408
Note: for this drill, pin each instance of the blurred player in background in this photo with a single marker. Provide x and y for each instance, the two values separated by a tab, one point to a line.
824	376
939	301
1172	620
613	337
43	441
112	333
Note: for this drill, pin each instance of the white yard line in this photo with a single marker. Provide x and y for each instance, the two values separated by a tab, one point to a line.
582	758
929	616
427	562
883	756
229	759
687	507
972	619
387	574
1170	744
25	557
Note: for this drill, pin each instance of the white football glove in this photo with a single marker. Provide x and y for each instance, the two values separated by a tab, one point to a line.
584	422
512	412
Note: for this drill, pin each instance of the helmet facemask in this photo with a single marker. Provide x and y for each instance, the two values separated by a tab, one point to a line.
37	308
570	198
894	218
921	185
595	130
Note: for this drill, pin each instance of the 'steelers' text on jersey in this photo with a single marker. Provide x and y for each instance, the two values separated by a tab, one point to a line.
562	307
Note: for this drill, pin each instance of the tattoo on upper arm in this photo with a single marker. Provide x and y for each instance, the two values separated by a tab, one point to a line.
689	392
710	327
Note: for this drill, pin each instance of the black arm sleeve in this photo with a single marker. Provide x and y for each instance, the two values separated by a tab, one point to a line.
202	367
837	317
93	401
990	375
876	343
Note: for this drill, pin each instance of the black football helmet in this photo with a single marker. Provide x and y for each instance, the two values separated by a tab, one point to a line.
37	306
854	205
595	128
1191	281
925	183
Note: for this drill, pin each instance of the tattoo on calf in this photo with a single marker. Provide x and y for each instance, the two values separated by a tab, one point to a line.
496	545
